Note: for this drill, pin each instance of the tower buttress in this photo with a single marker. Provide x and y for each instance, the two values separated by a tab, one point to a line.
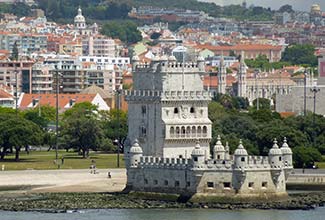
222	76
242	83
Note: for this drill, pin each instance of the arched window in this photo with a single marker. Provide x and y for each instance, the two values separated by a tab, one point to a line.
172	132
193	131
205	131
175	110
188	131
177	132
183	131
192	110
199	131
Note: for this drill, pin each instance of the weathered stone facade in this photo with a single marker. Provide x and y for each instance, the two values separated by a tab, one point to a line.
169	124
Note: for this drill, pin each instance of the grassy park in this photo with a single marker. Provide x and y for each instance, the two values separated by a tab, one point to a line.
45	160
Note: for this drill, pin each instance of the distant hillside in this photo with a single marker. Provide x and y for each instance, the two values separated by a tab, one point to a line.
65	10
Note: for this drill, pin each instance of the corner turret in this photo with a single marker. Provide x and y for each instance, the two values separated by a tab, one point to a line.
135	154
275	155
287	158
135	62
240	155
219	150
200	63
287	153
198	155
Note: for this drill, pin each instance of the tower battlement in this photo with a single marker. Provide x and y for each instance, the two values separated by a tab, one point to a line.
169	66
168	114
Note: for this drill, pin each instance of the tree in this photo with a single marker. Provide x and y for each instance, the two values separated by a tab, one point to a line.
300	54
266	133
306	156
17	133
115	125
81	128
263	103
286	8
126	31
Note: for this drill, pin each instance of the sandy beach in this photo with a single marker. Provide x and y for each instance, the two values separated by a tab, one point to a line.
64	180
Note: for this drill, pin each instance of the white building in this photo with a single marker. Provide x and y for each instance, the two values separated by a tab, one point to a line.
171	132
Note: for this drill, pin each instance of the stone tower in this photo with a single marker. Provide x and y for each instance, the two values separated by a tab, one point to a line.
241	90
168	107
222	77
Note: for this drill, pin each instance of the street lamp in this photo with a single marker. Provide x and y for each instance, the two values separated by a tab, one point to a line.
117	141
257	92
16	79
57	116
305	91
314	90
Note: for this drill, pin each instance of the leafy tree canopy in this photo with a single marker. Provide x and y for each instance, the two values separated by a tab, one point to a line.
126	31
300	54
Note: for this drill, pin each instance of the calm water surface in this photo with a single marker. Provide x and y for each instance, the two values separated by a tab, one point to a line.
169	214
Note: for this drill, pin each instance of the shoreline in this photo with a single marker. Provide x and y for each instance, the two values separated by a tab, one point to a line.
63	202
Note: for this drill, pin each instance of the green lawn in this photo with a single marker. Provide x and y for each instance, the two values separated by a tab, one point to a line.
44	160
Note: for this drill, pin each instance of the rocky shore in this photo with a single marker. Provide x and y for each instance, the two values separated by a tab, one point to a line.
61	202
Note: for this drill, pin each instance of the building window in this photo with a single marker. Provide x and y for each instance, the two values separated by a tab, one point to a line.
155	182
188	131
192	110
183	131
243	159
145	181
264	184
188	184
195	159
199	131
250	184
280	158
226	185
172	132
166	182
218	157
205	131
175	110
143	110
177	132
193	131
210	184
176	183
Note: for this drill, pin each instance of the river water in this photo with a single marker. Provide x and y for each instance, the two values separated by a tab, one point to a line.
169	214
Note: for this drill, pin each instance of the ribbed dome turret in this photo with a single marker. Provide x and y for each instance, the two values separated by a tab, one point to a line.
219	147
197	151
136	149
285	147
240	149
275	150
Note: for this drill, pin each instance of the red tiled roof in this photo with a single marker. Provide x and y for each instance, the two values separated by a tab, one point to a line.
5	95
239	47
212	81
50	99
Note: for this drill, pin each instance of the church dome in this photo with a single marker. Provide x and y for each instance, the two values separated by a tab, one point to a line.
136	149
315	8
79	18
219	147
275	150
285	147
240	151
